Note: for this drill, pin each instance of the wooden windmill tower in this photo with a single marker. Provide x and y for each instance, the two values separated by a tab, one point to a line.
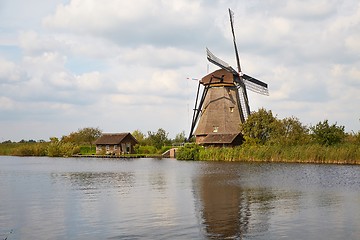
223	104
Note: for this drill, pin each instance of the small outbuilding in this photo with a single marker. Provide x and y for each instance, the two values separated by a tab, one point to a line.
115	143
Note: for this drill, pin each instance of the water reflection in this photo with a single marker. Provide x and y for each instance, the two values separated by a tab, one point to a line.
231	209
158	181
92	181
259	201
226	207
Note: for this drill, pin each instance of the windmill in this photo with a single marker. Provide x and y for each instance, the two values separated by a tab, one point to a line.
224	103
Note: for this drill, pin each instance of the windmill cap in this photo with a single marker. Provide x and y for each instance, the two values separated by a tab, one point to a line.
220	76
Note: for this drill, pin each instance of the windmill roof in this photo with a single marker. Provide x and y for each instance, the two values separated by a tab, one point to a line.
219	76
113	138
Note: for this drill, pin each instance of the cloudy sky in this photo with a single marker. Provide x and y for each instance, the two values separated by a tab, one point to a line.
123	65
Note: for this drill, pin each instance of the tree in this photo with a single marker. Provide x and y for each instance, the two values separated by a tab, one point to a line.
73	137
293	131
326	134
158	139
84	135
89	134
260	126
139	136
58	148
180	138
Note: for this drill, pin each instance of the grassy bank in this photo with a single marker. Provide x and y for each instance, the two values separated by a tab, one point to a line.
346	153
51	149
313	153
66	149
24	149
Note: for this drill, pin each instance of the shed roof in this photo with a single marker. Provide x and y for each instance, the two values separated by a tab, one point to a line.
113	138
220	138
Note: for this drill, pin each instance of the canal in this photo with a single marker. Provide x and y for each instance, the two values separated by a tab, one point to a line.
88	198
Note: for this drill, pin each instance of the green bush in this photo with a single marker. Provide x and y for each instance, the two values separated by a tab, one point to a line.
145	149
62	149
188	152
164	149
262	127
87	150
326	134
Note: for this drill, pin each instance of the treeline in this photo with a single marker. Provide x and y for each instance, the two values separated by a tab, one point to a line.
156	142
267	138
82	142
68	145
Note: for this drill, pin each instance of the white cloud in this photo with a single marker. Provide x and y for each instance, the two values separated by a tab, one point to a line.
88	15
10	72
6	103
89	81
309	10
168	57
353	43
80	14
67	60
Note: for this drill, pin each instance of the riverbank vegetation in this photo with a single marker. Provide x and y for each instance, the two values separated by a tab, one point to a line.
67	146
82	141
266	138
269	139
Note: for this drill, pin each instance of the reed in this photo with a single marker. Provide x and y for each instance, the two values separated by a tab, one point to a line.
23	149
312	153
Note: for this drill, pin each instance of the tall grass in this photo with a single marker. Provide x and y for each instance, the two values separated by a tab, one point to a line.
312	153
7	148
87	150
53	149
24	149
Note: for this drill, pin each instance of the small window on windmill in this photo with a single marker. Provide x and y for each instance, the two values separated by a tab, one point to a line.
215	129
231	109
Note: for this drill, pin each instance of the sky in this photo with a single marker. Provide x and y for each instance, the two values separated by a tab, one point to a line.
127	65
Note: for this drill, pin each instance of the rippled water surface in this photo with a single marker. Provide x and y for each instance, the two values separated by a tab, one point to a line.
84	198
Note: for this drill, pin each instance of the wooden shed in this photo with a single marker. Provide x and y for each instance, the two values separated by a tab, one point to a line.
115	143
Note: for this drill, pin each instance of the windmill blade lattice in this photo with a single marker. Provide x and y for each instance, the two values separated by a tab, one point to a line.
255	85
217	61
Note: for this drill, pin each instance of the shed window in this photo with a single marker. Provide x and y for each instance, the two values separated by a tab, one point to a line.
115	147
107	147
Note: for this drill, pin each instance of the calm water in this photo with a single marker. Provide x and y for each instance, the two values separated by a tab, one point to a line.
56	198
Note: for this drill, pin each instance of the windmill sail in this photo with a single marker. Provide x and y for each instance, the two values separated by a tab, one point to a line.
217	61
231	14
255	85
242	101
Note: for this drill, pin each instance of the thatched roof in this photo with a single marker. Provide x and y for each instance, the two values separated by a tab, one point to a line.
218	139
220	76
113	138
